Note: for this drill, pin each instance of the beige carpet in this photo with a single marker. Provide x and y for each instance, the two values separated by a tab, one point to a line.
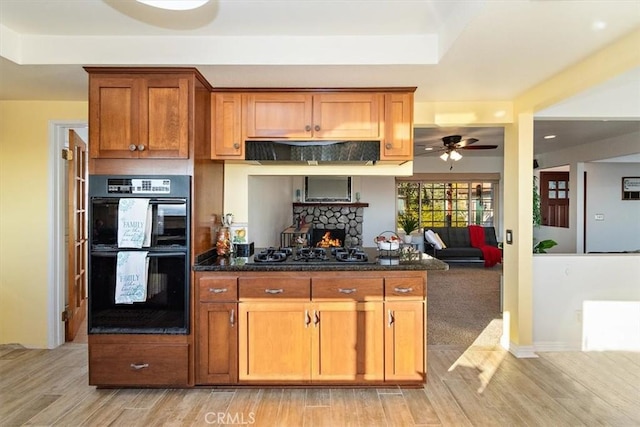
462	303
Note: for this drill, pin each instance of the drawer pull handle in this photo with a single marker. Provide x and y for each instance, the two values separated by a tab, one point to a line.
390	318
307	319
307	128
403	290
316	317
140	147
132	147
218	290
273	291
138	366
346	291
232	317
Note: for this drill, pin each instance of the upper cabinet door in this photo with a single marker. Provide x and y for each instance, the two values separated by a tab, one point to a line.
279	115
346	116
164	116
114	117
226	111
398	130
139	116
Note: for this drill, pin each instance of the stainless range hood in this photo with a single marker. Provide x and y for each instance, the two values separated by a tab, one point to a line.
313	152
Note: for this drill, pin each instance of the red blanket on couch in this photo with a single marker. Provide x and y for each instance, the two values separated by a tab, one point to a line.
491	254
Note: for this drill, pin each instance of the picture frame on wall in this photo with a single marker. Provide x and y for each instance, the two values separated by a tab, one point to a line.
631	188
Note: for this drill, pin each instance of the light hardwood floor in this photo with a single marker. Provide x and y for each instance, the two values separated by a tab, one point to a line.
480	385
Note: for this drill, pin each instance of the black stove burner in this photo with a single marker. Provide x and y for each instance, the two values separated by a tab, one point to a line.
272	255
311	254
350	255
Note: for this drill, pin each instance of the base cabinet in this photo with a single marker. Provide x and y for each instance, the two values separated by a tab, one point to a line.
138	363
404	338
274	342
329	328
217	344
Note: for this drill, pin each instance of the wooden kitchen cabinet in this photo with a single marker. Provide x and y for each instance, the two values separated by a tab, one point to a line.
347	342
398	127
309	116
140	115
274	344
226	121
217	329
138	360
405	329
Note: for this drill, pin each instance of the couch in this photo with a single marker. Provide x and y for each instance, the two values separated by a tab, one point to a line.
456	244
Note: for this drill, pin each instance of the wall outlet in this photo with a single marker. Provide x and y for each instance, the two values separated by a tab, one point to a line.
599	217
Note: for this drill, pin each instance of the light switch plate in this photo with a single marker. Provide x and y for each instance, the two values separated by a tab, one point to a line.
509	237
599	217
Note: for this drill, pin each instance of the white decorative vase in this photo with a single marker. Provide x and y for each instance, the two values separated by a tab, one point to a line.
407	238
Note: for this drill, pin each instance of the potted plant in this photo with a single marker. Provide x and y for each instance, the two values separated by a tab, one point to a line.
409	224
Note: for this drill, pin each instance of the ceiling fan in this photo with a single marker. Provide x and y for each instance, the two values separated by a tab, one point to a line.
452	145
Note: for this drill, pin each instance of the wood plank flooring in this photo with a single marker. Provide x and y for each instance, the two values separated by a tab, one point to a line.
476	386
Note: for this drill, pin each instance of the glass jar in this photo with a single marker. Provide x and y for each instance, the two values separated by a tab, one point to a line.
223	242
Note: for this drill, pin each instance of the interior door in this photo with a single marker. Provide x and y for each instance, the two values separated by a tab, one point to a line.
554	198
77	250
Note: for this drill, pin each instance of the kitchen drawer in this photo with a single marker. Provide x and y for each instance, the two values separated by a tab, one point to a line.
331	289
404	288
143	364
275	288
216	289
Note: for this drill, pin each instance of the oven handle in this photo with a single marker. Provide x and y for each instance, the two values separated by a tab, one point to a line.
107	254
153	201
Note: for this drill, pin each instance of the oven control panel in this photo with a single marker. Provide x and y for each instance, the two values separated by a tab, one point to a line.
138	186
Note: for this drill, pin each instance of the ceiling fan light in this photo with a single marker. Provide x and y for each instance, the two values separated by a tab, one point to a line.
444	156
455	156
175	4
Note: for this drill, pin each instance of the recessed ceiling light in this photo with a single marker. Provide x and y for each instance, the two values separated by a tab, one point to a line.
549	136
598	25
175	4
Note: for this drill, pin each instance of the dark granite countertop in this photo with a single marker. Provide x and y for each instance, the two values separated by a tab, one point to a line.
380	261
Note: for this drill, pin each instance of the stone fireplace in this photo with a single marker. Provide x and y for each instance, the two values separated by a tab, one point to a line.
347	217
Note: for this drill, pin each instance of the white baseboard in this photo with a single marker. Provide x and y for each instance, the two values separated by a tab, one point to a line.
522	351
549	346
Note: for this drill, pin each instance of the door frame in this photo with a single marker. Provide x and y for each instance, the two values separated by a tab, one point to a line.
56	271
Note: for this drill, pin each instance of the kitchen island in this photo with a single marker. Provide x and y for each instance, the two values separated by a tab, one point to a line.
307	323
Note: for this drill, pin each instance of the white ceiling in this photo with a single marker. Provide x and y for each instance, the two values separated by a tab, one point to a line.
468	50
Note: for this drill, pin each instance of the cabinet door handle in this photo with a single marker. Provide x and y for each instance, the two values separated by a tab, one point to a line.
307	128
138	366
390	318
346	291
132	147
316	317
403	290
307	319
236	145
388	146
141	147
218	290
317	128
273	291
232	317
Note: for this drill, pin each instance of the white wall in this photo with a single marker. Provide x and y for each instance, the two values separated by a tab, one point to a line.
270	199
562	284
620	229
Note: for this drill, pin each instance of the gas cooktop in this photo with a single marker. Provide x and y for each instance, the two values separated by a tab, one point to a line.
312	255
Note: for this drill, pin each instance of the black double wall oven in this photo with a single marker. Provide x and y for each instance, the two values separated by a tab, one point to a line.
163	307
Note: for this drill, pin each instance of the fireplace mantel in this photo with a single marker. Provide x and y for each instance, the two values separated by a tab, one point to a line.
342	205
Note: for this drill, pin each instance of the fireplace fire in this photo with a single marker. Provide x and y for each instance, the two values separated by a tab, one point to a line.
328	238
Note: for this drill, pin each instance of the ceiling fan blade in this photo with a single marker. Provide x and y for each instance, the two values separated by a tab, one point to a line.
480	147
466	142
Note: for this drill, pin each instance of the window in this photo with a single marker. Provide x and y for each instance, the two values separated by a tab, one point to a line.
448	203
